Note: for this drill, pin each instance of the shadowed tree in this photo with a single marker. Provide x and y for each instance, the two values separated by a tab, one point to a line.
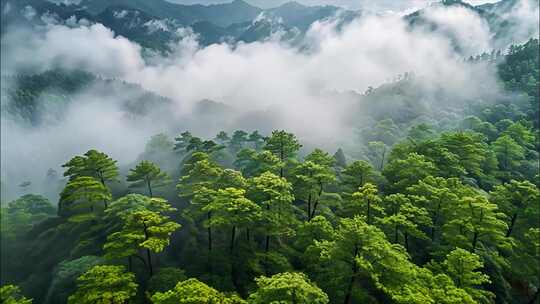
83	193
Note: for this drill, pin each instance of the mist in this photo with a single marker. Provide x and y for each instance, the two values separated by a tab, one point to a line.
312	90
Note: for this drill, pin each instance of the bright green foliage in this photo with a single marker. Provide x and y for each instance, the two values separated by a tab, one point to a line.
83	192
145	227
93	163
192	291
405	218
253	163
149	175
10	294
104	285
284	145
274	195
521	134
519	200
311	177
475	220
318	229
356	174
365	202
230	208
469	147
285	288
439	196
202	172
402	173
360	254
420	132
150	229
462	266
509	153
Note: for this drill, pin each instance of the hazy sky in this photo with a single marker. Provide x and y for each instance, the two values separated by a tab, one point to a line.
378	5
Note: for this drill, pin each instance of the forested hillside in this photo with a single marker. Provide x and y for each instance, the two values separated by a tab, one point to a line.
438	206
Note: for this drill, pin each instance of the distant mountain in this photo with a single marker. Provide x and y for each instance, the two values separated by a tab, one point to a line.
501	17
155	24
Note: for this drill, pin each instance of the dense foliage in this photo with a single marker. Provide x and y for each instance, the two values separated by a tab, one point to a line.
424	215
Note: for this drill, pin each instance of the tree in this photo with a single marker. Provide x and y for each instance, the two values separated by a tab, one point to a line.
360	254
256	139
462	266
365	202
252	163
476	219
237	140
147	174
469	147
11	294
222	137
439	196
230	208
83	193
406	218
145	228
402	173
518	199
94	164
356	174
377	153
31	204
284	145
311	177
104	284
274	195
182	142
293	288
339	157
509	154
192	291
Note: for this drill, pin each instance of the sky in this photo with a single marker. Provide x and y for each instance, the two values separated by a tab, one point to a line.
374	5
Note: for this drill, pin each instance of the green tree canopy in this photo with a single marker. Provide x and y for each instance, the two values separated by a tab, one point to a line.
104	284
285	288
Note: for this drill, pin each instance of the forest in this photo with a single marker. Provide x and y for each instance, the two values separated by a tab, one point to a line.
424	214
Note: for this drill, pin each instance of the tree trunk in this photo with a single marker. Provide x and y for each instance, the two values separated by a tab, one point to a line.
475	239
233	235
267	243
317	201
130	263
511	226
148	257
247	235
406	235
396	234
149	187
209	215
353	277
150	268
